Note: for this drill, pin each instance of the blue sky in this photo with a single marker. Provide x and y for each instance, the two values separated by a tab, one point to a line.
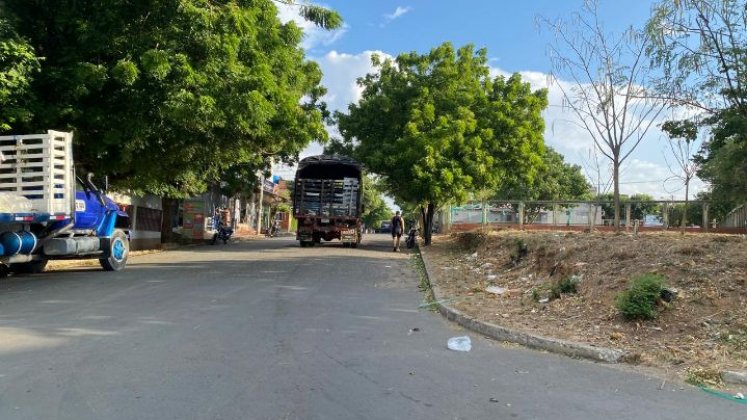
515	43
506	28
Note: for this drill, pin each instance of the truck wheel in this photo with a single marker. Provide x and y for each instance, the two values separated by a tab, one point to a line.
119	250
32	267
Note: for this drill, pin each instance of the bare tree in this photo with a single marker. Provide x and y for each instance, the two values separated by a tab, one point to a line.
603	79
684	144
601	179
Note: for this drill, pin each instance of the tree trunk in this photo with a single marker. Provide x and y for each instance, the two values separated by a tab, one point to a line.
424	218
684	213
616	195
167	233
428	223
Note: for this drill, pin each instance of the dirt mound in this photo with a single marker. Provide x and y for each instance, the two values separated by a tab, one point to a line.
565	285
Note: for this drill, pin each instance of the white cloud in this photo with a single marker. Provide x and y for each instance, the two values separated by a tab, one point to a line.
340	74
314	36
398	12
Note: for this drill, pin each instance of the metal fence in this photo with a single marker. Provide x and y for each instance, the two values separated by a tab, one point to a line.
591	215
737	218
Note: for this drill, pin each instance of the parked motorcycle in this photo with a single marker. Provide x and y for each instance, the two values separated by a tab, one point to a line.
223	233
411	235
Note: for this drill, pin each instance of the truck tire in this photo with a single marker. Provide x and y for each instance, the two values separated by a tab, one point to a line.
119	250
32	267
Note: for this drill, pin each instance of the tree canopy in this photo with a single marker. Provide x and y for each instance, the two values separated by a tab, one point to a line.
18	64
701	48
376	210
555	180
640	205
437	127
165	95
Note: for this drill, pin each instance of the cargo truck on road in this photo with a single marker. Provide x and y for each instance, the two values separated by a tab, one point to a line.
47	213
328	200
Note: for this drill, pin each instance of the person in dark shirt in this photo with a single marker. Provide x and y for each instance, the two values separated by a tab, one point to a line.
398	226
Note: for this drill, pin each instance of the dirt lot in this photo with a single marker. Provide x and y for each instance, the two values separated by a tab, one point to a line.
702	331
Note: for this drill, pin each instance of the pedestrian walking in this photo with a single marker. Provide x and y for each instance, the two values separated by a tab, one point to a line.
398	226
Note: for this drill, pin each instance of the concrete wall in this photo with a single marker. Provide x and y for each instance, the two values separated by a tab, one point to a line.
145	218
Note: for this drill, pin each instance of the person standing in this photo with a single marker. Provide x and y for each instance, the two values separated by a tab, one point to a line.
398	226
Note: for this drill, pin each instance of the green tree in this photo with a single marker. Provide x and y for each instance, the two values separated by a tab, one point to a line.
701	48
640	205
556	180
376	210
717	209
436	127
18	64
724	163
692	215
321	16
166	95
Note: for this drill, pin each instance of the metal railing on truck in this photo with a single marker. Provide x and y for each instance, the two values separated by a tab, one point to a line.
326	197
37	169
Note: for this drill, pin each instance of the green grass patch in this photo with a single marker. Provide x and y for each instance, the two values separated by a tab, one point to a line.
417	262
640	301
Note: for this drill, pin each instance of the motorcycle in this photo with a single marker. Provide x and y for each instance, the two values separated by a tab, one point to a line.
271	231
223	233
411	235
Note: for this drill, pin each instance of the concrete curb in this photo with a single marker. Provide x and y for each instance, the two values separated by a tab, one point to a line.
568	348
734	377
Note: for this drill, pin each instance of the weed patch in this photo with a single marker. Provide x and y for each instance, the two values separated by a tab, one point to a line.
639	302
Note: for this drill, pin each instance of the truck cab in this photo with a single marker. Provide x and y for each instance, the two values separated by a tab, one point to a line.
48	213
93	208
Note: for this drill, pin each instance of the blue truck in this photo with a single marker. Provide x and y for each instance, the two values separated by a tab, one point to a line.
48	213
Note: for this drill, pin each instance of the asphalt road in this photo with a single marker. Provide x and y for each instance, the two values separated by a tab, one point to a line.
267	330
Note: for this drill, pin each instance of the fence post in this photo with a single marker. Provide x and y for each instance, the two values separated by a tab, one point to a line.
521	215
555	214
484	213
627	216
705	217
665	216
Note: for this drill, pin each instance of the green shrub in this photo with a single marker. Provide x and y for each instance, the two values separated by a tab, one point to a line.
639	301
568	285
